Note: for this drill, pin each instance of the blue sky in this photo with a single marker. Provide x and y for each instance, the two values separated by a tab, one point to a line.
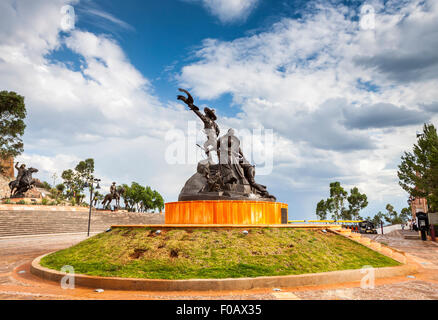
343	94
159	37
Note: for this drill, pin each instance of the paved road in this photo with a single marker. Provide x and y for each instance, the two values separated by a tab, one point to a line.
17	283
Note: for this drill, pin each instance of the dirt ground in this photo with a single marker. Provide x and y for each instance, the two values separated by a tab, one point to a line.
17	283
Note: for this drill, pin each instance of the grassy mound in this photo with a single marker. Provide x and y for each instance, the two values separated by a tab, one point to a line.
214	253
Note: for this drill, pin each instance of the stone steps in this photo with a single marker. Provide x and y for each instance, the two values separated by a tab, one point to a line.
15	223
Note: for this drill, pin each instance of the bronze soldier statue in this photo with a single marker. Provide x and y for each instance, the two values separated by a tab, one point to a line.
21	170
115	194
229	153
113	189
249	170
211	128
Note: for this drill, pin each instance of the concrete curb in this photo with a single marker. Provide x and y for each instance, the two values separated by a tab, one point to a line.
116	283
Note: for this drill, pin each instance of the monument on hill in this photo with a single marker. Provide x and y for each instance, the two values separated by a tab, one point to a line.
233	178
226	191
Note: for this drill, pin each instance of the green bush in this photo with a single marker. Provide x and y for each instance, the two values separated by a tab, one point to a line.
52	203
7	201
44	201
21	202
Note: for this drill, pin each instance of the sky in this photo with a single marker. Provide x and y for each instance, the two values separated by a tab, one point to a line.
321	91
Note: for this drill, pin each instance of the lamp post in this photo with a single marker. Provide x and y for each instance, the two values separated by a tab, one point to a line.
90	186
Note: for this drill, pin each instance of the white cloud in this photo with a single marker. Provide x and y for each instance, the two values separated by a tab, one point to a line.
110	17
100	109
47	165
228	11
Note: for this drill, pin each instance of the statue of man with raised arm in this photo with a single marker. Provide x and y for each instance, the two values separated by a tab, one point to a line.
211	128
21	170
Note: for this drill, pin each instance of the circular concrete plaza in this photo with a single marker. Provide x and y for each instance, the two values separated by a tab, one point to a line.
16	281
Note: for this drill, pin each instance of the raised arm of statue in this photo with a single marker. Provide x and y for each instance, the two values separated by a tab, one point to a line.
16	166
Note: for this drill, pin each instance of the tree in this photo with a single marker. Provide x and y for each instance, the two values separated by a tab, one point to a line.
58	191
141	199
418	170
321	210
390	213
406	214
392	216
60	187
339	195
45	185
77	179
127	197
97	197
378	218
84	171
335	204
12	115
147	201
134	195
356	202
68	177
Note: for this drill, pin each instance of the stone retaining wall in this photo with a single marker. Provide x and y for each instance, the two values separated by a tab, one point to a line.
35	207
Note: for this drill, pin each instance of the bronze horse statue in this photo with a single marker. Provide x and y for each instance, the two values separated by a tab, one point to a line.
116	196
18	188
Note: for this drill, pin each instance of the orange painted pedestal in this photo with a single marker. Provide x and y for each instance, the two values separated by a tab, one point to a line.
224	212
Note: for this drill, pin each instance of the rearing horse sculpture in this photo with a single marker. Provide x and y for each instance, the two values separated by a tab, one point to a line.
18	188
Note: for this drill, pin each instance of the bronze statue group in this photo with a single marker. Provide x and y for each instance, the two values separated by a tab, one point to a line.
233	177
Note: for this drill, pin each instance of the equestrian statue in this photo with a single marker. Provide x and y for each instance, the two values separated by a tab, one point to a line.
23	182
115	194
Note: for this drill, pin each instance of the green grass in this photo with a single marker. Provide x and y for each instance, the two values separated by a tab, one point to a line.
214	253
